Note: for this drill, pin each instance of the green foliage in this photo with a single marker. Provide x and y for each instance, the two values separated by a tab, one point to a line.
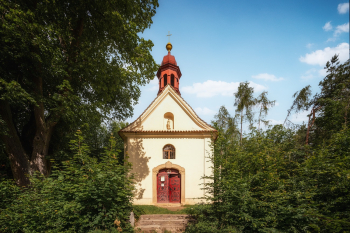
82	194
114	128
244	102
65	64
274	181
87	44
227	124
138	211
329	109
333	102
274	184
264	105
5	166
301	100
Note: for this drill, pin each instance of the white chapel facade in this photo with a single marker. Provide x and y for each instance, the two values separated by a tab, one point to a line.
169	145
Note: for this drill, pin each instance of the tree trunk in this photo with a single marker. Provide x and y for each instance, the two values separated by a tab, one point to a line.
307	131
20	164
310	124
40	150
43	133
346	112
241	126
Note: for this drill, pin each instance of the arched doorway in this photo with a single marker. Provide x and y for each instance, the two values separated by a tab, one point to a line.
168	186
175	170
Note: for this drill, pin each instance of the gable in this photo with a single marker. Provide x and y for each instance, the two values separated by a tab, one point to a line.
169	106
169	109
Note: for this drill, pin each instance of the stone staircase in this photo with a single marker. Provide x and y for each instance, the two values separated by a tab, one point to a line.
161	223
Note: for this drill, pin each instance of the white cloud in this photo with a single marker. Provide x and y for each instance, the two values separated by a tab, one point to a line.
204	111
296	118
331	39
212	88
320	57
328	26
307	76
343	8
267	77
275	122
314	73
154	84
322	72
341	28
299	118
309	45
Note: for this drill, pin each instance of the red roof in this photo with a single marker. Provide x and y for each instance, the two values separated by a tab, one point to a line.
169	59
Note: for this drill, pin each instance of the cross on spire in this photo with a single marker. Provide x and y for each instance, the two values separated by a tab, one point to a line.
169	35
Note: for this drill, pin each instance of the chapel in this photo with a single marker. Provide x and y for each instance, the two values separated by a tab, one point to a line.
169	145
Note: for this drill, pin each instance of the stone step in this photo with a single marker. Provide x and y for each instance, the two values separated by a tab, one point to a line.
161	222
163	216
158	228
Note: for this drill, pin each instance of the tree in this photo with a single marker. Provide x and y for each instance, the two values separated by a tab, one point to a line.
301	101
274	183
329	108
332	103
64	61
114	128
226	123
264	104
244	102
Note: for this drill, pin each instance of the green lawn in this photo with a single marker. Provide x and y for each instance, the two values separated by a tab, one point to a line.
151	209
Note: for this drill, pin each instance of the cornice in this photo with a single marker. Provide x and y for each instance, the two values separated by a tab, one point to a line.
171	67
170	134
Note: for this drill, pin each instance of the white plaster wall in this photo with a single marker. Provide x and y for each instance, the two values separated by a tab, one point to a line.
191	153
156	118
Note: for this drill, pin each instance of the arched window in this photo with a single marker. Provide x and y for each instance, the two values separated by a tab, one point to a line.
168	152
165	79
172	80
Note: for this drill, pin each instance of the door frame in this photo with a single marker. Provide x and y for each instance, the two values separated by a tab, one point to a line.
167	165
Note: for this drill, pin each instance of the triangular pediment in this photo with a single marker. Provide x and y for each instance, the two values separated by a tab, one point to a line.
168	112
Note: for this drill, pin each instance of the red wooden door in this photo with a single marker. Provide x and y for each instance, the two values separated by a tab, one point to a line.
162	187
174	188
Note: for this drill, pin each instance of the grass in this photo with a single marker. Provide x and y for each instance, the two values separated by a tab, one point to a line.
151	209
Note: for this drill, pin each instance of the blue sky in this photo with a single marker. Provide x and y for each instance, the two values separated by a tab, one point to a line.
278	46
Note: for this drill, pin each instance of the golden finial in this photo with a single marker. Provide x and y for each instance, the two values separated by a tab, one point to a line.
169	46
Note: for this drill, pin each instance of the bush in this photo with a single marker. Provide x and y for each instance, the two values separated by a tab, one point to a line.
80	195
274	184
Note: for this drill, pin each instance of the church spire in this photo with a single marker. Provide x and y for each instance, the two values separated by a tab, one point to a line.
169	72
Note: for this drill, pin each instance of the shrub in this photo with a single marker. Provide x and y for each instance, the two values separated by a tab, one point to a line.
274	184
80	195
